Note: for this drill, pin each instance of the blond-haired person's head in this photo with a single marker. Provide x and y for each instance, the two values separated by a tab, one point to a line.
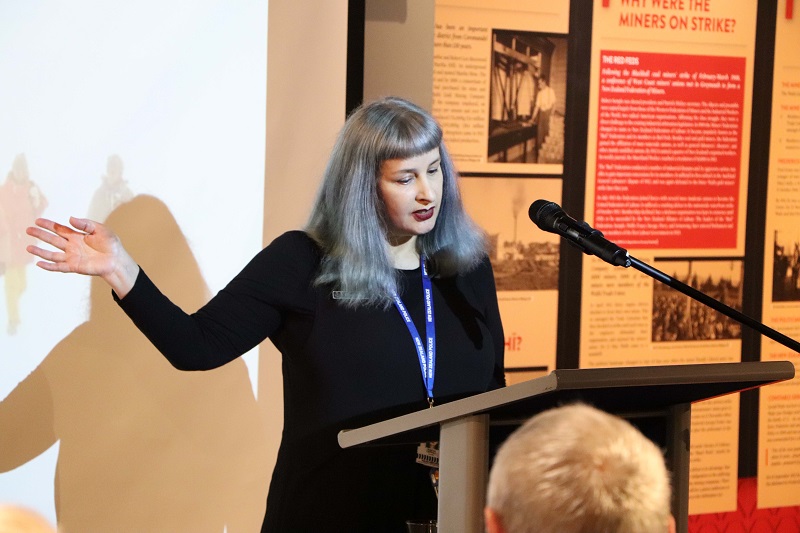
576	469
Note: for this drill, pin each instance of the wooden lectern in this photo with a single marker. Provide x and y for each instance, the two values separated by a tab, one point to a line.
660	396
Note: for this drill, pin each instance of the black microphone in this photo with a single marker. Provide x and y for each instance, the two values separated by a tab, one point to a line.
550	217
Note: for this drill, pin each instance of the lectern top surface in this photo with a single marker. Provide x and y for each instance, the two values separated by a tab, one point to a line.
625	391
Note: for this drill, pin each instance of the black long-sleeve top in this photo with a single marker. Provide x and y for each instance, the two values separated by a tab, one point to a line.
342	368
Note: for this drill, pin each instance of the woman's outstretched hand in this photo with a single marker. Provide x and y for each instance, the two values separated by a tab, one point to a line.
92	250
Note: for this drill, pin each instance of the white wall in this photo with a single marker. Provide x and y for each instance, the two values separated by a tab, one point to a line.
398	50
305	109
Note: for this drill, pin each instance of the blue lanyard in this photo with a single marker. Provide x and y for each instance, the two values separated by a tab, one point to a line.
425	352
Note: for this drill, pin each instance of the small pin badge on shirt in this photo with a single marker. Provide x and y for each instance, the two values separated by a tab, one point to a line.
342	295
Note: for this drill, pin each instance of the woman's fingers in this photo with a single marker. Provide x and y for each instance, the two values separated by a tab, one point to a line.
45	223
83	224
47	255
53	261
46	236
89	249
52	228
58	236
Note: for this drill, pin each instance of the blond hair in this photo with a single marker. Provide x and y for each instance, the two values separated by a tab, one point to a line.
576	469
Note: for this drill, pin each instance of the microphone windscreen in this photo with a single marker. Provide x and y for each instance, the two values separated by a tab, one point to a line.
540	210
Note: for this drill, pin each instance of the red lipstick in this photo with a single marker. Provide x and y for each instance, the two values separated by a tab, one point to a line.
423	214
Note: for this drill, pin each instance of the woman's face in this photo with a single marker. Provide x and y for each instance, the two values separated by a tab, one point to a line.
411	190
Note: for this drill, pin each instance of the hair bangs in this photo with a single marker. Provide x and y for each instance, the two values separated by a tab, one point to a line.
408	135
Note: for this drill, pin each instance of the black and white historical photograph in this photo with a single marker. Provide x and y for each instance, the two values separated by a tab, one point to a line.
678	317
786	266
527	92
523	256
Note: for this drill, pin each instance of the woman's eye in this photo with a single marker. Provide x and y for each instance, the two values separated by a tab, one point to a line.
433	171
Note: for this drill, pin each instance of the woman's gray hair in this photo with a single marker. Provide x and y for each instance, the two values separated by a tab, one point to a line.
348	220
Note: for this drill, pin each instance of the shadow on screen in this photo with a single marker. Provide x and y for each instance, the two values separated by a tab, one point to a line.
143	447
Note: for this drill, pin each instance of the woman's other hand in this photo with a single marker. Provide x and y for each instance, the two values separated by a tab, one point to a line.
90	249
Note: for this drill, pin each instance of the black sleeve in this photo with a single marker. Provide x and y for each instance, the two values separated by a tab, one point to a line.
495	325
481	280
248	310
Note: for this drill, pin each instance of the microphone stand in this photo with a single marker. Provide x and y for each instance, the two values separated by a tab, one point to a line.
714	304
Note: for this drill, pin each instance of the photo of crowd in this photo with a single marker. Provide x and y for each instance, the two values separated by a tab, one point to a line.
786	268
677	317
